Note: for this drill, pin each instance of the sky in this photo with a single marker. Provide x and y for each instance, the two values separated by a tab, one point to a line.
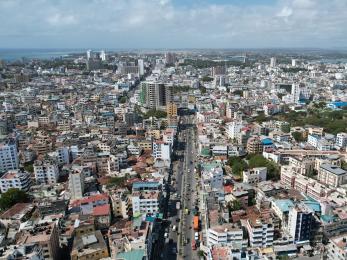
173	24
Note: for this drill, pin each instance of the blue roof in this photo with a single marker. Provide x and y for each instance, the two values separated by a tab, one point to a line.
145	184
312	204
339	104
328	218
284	205
267	141
136	254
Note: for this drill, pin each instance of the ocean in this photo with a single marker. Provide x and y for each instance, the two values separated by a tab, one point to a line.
17	54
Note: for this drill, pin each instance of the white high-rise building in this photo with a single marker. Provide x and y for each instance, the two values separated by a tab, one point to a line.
8	156
141	67
15	179
162	150
294	62
300	223
76	185
103	56
89	54
273	62
46	172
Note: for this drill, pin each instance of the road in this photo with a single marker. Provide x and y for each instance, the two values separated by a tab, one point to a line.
184	191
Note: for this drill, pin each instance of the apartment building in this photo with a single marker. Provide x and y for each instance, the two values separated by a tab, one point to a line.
76	184
337	247
341	140
8	155
227	235
261	233
121	204
15	179
300	223
332	175
254	145
255	175
162	151
146	197
46	172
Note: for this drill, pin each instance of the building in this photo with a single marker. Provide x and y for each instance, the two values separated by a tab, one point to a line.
8	156
341	140
15	179
254	145
155	94
170	58
120	204
89	246
45	235
162	151
227	235
171	109
146	197
141	65
332	175
76	184
255	175
273	62
261	233
337	247
300	223
46	172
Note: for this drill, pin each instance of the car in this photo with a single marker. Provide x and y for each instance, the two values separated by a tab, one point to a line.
196	235
174	250
174	228
166	235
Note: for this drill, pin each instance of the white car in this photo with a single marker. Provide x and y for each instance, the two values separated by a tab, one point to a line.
166	235
196	236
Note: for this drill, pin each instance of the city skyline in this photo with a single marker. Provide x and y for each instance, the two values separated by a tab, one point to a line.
173	24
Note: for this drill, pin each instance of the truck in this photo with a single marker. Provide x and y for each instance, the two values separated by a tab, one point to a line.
178	205
196	223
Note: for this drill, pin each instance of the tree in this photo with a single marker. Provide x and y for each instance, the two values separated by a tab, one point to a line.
11	197
123	100
298	136
258	160
155	113
237	165
207	79
235	205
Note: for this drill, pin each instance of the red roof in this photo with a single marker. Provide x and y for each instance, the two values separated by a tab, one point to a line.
103	210
89	199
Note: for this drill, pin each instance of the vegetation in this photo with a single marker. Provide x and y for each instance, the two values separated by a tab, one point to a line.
333	121
207	79
237	165
203	90
123	99
298	137
257	160
29	167
155	113
11	197
116	182
235	205
294	70
179	89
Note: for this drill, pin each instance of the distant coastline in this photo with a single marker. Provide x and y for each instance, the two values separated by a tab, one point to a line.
17	54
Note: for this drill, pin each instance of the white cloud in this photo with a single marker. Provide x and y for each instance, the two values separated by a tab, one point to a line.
162	23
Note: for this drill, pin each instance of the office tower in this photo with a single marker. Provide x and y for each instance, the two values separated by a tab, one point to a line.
300	223
141	67
76	184
8	156
89	54
170	58
273	62
155	95
218	70
294	62
103	56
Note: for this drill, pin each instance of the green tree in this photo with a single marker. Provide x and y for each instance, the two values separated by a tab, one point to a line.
235	205
207	79
258	160
11	197
123	100
237	165
155	113
298	136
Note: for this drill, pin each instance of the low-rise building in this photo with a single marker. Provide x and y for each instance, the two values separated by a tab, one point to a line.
15	179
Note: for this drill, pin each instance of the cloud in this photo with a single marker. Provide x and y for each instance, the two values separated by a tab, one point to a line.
167	24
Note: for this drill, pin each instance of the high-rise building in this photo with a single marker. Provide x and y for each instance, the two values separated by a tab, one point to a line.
170	58
218	70
273	62
294	62
89	54
254	145
8	156
155	95
300	223
103	56
141	66
76	184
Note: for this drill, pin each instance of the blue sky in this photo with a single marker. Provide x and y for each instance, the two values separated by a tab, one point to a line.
173	23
